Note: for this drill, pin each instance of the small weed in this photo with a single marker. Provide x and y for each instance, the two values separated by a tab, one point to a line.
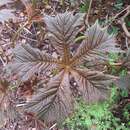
118	4
113	30
84	7
96	116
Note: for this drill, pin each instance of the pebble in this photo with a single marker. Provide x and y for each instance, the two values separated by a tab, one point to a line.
54	54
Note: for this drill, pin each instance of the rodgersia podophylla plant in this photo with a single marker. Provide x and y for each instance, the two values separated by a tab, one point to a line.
54	101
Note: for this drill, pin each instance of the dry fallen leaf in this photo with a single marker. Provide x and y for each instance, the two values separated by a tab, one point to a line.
4	2
6	14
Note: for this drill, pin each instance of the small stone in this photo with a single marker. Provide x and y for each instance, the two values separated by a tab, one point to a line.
54	54
22	14
48	7
74	83
51	76
23	41
96	11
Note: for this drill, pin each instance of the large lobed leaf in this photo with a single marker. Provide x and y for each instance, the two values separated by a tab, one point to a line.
28	61
96	45
54	102
63	29
93	85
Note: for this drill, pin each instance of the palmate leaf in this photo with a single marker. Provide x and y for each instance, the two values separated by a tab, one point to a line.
54	102
28	61
96	45
63	29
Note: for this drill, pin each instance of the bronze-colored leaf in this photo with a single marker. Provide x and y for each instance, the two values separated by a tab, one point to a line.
96	45
28	61
93	85
54	102
63	28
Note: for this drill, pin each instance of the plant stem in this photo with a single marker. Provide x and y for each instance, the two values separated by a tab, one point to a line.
113	18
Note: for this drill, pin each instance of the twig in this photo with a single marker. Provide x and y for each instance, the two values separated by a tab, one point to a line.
4	64
2	99
113	18
127	44
88	13
123	23
17	33
22	36
117	64
52	126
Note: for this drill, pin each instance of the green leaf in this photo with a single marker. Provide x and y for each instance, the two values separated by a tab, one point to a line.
119	4
113	30
84	7
128	106
128	23
124	93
